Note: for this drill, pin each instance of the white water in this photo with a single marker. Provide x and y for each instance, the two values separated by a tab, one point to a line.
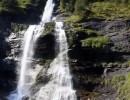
26	78
59	86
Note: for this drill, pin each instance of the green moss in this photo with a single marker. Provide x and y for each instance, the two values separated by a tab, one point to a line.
49	28
109	11
117	80
88	32
102	9
122	83
127	62
107	81
125	90
18	27
96	42
23	3
74	18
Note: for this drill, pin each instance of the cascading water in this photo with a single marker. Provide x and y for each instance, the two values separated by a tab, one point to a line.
26	78
59	87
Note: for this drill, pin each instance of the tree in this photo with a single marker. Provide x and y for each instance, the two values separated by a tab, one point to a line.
9	3
71	4
62	5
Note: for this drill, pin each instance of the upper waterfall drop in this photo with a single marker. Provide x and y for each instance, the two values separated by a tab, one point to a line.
26	78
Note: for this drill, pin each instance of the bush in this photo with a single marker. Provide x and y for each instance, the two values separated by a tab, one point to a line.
96	42
88	32
62	5
8	4
70	6
74	18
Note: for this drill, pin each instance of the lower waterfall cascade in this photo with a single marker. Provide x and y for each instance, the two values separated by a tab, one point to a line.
60	86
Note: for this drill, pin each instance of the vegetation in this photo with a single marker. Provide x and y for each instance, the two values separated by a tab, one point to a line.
109	11
104	9
62	4
88	32
49	28
122	83
17	5
7	4
18	27
96	42
124	91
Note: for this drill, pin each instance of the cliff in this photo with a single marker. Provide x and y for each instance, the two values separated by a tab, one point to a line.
99	47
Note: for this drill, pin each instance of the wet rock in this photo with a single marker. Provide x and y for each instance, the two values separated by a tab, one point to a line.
25	98
45	46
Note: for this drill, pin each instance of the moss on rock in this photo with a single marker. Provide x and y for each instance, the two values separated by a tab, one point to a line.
96	42
49	28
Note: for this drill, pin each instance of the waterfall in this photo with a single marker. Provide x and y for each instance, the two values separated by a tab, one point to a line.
59	87
26	78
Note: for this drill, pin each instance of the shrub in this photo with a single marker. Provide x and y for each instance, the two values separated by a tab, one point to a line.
62	5
96	42
70	6
8	4
74	18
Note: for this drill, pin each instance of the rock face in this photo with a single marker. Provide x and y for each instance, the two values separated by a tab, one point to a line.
94	68
45	46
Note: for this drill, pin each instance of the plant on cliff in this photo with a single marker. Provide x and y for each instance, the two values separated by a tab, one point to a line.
23	3
62	5
17	5
96	42
124	91
103	9
49	28
8	4
88	32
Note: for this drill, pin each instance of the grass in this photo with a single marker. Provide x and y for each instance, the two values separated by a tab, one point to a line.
23	3
122	83
125	90
96	42
88	32
74	18
109	11
13	6
49	28
103	10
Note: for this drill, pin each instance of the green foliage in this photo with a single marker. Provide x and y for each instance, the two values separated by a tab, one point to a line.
117	79
89	32
62	5
74	18
70	6
103	9
49	28
12	5
23	3
8	4
96	42
109	11
122	83
127	63
18	27
125	89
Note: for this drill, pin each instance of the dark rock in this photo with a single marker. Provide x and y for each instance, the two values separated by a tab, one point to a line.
45	47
